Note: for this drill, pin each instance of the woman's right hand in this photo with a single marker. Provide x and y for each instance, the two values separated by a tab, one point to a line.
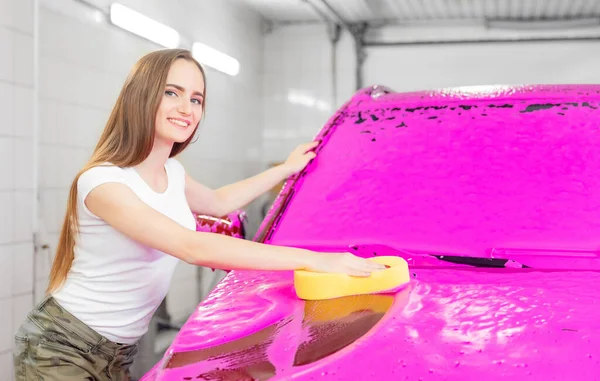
344	263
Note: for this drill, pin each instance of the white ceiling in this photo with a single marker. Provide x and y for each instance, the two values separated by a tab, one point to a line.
427	10
283	10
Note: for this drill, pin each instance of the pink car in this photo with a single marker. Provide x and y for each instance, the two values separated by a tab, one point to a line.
492	194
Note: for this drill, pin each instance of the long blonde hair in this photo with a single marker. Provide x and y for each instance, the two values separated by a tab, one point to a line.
126	140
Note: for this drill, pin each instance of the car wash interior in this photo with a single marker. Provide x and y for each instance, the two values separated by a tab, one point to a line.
455	145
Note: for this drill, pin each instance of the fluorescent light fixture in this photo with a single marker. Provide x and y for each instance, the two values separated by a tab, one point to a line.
215	59
143	26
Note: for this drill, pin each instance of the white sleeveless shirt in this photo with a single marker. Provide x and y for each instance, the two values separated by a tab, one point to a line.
115	283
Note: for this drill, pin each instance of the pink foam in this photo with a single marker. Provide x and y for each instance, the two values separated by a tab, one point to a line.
510	173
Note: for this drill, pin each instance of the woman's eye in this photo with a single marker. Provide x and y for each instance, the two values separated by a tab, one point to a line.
197	101
170	93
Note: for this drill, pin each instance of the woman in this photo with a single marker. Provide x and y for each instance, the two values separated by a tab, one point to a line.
129	221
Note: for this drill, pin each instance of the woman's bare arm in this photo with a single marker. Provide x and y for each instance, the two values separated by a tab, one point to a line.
117	205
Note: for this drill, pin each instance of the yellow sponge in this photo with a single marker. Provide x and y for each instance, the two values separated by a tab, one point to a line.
319	286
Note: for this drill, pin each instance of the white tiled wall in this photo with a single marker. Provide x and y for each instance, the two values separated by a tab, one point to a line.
298	87
16	172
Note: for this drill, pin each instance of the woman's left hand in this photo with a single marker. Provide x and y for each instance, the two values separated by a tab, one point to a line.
300	157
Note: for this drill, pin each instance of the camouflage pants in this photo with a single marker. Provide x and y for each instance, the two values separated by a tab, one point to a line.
53	345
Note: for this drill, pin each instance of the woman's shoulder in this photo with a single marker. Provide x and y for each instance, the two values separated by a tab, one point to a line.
104	170
100	174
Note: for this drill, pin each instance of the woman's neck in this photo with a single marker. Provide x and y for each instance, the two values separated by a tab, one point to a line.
152	169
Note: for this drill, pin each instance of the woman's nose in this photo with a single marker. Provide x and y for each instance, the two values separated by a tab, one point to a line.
185	107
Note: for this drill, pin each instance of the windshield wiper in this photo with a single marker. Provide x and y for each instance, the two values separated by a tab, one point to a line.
516	258
480	262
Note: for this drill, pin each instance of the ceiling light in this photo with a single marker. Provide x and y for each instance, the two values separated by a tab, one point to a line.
143	26
215	59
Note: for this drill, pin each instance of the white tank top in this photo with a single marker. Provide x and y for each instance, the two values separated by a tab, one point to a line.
115	283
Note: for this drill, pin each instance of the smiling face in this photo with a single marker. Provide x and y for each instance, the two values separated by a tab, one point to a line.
180	109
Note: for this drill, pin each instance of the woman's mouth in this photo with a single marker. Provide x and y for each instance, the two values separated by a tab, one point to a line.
179	122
